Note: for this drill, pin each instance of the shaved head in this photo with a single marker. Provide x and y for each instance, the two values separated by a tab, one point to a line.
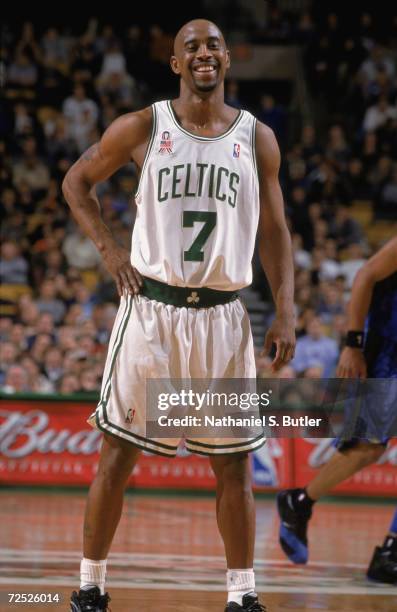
191	28
200	56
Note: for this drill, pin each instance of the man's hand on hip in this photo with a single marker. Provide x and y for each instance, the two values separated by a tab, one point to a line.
117	261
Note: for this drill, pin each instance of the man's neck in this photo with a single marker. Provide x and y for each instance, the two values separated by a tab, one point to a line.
200	110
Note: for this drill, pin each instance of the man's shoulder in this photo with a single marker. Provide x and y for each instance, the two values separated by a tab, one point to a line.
139	118
130	129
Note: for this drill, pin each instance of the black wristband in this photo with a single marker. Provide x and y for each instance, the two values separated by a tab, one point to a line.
355	339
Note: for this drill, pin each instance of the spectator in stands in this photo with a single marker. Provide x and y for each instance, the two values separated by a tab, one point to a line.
48	302
232	94
315	349
345	229
337	149
16	380
370	67
353	261
52	364
68	384
9	355
80	251
355	181
386	200
377	115
322	267
274	116
31	170
22	77
55	49
36	381
28	314
81	115
13	266
89	382
40	344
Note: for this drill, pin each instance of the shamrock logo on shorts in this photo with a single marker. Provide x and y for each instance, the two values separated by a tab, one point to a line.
193	298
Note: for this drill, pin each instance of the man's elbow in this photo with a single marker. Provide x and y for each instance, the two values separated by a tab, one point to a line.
73	183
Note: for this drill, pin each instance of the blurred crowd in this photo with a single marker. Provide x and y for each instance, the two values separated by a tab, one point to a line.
63	88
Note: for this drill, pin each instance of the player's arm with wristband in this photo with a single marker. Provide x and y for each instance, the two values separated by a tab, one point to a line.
381	265
125	139
275	250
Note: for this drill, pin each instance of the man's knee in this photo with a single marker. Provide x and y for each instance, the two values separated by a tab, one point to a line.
366	453
117	460
232	470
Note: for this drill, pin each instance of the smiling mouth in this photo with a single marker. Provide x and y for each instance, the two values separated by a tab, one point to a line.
204	69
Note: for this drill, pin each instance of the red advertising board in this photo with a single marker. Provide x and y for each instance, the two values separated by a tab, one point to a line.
377	479
49	442
44	441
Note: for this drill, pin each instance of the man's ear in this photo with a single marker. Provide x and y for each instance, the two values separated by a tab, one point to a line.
175	65
227	59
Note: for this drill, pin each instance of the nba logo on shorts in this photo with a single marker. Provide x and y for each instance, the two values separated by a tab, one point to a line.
236	150
165	143
130	416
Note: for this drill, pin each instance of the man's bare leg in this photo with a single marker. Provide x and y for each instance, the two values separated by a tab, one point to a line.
235	513
295	505
341	466
105	498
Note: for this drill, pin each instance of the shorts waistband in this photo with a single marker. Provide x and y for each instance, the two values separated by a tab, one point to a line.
188	297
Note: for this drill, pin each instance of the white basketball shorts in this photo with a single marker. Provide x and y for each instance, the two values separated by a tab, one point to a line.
151	339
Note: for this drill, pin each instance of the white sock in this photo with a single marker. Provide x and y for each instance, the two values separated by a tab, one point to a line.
240	582
92	573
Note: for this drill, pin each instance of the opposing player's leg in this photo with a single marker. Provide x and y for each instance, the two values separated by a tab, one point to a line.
235	513
295	505
103	512
383	565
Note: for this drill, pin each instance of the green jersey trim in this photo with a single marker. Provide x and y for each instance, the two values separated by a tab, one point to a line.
204	138
149	148
253	147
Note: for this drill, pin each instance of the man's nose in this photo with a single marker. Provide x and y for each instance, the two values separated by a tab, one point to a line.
203	52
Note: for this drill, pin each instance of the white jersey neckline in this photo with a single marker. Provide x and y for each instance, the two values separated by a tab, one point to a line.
230	129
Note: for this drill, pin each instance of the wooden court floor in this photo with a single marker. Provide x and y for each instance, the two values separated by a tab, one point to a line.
167	555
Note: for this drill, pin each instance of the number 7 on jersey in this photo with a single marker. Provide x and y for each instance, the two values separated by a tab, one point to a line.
190	217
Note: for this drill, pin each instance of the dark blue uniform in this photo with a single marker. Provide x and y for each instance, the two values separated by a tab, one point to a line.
378	412
381	337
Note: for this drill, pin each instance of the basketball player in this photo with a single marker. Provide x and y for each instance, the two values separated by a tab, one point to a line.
209	179
373	353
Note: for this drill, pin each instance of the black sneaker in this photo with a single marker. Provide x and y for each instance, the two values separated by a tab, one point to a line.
89	600
293	528
383	566
250	604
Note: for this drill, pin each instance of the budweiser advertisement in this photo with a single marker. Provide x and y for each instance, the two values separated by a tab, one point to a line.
377	479
49	442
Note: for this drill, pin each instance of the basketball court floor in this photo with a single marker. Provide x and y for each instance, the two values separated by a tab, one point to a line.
168	557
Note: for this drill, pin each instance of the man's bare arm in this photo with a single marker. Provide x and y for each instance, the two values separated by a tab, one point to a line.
125	139
275	250
381	265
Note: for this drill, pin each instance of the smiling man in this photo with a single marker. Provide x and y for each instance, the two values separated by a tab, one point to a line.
208	181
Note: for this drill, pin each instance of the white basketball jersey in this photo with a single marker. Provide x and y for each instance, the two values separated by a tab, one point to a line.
197	205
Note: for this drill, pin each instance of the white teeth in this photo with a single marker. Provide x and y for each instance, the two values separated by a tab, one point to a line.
205	68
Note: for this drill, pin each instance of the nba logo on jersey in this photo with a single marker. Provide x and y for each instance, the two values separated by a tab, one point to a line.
165	143
236	150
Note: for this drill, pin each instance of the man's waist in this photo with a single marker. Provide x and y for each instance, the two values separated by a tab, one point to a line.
188	297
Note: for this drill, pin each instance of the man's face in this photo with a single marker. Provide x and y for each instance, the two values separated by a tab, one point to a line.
201	57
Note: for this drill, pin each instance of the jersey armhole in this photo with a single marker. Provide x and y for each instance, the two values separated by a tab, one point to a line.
149	148
253	147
